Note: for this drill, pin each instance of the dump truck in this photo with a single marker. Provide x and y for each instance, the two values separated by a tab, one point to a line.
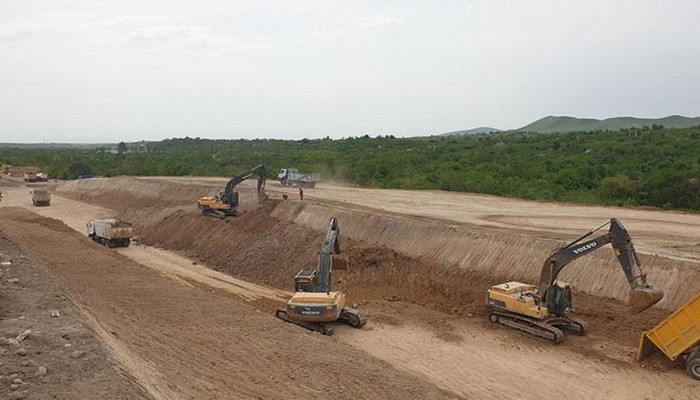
677	336
110	232
41	198
291	177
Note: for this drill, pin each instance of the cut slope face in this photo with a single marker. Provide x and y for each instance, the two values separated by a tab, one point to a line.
430	263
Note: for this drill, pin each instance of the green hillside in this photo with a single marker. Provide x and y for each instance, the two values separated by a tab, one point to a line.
552	124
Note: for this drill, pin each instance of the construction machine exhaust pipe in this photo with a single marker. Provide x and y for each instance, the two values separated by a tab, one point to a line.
642	298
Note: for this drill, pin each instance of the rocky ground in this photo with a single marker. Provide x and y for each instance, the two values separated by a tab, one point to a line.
46	351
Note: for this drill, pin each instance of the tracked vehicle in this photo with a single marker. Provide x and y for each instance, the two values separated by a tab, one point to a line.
545	311
314	305
225	203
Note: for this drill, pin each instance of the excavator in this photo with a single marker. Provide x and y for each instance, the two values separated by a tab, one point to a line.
544	311
224	204
314	305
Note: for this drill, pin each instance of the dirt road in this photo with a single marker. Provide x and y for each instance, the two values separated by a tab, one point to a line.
433	346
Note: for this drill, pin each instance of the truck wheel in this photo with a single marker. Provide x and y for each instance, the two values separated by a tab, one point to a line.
693	367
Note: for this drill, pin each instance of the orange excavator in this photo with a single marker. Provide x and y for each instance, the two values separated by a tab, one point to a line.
544	311
314	305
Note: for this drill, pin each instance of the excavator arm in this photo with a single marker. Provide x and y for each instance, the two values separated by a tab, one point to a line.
229	197
642	295
330	246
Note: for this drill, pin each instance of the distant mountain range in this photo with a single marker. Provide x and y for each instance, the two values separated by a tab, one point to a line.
553	124
570	124
481	129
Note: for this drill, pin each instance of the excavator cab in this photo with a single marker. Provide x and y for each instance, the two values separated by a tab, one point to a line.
559	298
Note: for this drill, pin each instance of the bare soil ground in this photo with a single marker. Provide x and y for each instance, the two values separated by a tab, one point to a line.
426	319
179	341
59	358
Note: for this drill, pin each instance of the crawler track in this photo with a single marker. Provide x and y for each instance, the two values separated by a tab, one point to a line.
534	328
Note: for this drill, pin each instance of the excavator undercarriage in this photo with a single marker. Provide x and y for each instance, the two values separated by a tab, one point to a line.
550	329
348	315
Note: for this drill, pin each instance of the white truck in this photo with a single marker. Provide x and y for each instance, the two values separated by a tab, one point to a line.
292	176
41	197
30	176
110	232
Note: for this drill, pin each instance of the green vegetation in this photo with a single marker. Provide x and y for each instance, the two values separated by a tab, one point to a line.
641	167
570	124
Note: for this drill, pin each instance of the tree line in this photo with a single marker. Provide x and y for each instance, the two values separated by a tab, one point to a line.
659	167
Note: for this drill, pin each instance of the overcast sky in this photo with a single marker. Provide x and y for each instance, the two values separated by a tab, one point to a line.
106	71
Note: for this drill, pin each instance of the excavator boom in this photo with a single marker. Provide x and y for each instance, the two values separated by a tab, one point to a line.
642	295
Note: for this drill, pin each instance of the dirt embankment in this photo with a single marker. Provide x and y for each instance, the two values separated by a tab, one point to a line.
157	329
498	253
445	268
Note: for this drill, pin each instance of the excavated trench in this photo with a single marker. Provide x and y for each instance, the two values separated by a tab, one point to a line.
442	266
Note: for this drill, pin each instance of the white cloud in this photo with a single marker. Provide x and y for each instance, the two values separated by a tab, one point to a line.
139	30
328	34
381	20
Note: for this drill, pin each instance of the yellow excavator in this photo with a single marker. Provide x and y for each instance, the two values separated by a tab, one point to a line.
314	305
544	311
225	203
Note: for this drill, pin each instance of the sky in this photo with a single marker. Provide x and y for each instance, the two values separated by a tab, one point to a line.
106	71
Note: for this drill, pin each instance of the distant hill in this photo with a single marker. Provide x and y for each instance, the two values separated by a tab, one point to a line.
481	129
552	124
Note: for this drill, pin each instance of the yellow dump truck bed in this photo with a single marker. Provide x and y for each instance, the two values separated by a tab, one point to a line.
678	333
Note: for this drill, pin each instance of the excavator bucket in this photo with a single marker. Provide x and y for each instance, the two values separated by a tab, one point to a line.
340	261
644	297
